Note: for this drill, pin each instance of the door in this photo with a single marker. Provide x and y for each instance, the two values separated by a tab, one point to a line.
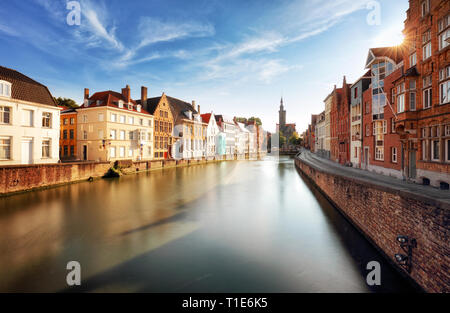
27	151
412	164
366	157
84	153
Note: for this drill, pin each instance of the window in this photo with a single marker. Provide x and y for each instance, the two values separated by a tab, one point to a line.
412	101
367	130
66	150
392	125
65	134
100	117
149	123
71	134
424	149
46	148
443	43
412	59
427	51
112	152
444	92
122	152
131	120
131	135
65	121
113	117
85	118
355	95
122	135
130	152
47	119
367	107
426	36
72	150
427	98
5	89
122	119
141	122
412	85
401	103
435	150
394	154
443	23
113	134
374	124
425	7
5	148
447	130
379	153
85	135
27	118
384	127
72	121
100	133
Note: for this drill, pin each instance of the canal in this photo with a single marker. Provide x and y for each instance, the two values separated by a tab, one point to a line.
244	226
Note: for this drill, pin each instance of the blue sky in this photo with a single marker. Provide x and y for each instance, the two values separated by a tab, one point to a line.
232	57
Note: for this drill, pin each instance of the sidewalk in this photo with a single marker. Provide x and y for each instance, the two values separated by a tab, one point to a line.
374	178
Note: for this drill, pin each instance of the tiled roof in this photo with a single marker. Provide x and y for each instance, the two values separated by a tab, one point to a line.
395	53
178	107
111	99
26	89
206	117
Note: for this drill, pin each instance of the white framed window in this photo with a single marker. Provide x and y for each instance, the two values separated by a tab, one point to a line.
100	134
425	7
149	123
121	152
122	135
401	103
424	149
447	150
141	121
412	59
444	73
447	130
443	43
394	154
5	89
131	120
392	125
444	92
72	121
85	135
113	134
113	117
112	152
5	148
27	118
46	147
130	152
427	51
5	115
427	98
122	119
379	153
101	117
85	118
412	101
374	128
47	119
384	126
435	150
443	23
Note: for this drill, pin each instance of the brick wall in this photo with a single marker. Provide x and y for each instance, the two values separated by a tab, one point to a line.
382	214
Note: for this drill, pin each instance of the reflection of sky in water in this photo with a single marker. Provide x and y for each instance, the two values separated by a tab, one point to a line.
227	227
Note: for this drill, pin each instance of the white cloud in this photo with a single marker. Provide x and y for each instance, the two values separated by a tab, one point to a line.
153	30
8	31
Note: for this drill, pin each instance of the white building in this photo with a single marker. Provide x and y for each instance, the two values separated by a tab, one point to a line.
227	126
242	139
29	121
252	139
212	135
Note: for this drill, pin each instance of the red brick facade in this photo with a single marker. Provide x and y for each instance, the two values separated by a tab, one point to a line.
343	123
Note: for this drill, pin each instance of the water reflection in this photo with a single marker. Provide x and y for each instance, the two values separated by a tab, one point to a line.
228	227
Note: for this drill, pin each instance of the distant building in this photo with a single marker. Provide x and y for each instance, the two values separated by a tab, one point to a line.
29	121
287	129
228	127
68	136
215	140
327	144
320	135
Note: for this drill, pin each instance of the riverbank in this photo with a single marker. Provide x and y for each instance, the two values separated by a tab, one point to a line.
383	208
16	179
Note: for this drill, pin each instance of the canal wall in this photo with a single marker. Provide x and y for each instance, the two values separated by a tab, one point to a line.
382	214
21	178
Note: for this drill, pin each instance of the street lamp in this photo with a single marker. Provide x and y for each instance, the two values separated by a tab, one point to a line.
406	244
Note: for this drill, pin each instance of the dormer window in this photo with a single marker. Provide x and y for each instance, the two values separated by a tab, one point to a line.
120	104
425	6
5	89
130	107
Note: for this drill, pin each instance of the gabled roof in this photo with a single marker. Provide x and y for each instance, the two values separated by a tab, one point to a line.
206	117
26	89
111	99
393	53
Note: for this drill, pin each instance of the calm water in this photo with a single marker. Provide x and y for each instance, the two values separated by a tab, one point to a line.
249	226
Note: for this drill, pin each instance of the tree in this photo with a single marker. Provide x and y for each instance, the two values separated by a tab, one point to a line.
294	139
282	139
66	102
257	119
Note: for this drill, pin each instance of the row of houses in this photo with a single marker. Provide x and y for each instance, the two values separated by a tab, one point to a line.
111	126
395	119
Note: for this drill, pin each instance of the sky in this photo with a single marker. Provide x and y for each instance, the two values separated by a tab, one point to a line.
236	58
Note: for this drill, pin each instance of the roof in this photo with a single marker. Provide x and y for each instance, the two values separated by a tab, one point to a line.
206	117
225	119
152	104
394	53
111	99
26	89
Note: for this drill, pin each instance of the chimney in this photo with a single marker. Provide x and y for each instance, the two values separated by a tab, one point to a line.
143	96
86	93
198	109
126	93
193	104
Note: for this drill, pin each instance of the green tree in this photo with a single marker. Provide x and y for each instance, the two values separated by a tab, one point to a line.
66	102
257	119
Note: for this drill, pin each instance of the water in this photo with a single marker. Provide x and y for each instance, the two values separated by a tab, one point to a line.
244	226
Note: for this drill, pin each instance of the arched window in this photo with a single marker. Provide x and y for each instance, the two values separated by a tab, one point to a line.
5	89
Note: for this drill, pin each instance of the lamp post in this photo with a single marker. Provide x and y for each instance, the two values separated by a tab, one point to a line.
406	244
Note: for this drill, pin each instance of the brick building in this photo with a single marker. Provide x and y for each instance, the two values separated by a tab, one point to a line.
343	123
68	136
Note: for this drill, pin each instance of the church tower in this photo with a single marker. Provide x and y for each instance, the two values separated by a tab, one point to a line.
282	115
